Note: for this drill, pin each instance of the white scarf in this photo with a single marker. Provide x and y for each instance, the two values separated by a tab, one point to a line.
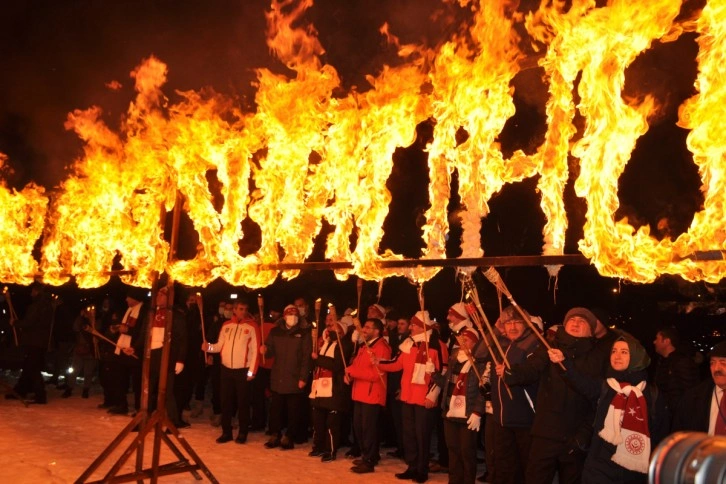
124	340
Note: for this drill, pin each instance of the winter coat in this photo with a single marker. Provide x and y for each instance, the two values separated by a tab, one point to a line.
367	386
694	409
339	400
34	328
292	349
675	375
599	467
515	411
475	401
563	413
413	393
238	346
179	337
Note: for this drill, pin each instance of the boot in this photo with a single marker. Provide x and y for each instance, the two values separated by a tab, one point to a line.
272	443
286	443
328	457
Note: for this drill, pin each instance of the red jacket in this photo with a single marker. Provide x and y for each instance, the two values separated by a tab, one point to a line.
367	385
413	393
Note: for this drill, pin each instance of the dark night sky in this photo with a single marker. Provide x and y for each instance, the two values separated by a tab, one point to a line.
58	56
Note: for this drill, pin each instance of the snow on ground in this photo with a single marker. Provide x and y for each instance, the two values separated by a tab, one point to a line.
55	443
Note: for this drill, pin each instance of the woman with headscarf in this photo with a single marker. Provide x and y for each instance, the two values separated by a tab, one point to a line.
630	418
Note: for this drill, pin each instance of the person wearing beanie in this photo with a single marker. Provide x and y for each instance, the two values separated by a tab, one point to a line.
328	395
513	416
562	426
703	409
368	394
458	319
631	416
417	365
290	343
129	341
238	346
376	311
462	403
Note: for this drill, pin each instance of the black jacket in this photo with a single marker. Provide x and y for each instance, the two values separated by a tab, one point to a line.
341	396
599	467
34	328
292	349
516	411
694	410
563	414
674	375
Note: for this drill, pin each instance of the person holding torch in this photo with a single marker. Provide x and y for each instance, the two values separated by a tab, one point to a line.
238	345
369	393
328	395
418	359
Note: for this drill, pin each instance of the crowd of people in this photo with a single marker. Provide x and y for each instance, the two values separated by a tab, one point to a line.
579	402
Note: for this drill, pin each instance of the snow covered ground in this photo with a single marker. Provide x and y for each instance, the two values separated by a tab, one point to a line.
55	443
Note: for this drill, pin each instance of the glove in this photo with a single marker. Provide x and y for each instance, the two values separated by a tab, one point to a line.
178	367
474	422
430	368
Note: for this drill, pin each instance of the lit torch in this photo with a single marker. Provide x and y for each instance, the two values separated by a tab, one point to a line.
13	315
261	309
200	306
318	303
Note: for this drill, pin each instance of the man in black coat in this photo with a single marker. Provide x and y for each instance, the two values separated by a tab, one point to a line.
290	344
675	371
123	366
562	426
703	409
34	330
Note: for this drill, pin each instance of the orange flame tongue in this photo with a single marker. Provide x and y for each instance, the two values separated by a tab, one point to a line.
21	224
313	156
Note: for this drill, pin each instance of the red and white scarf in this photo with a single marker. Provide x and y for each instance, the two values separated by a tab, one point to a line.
626	426
322	386
457	401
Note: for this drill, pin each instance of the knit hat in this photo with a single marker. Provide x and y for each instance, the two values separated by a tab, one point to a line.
378	309
421	319
583	313
639	359
508	314
291	309
458	310
470	333
718	351
346	322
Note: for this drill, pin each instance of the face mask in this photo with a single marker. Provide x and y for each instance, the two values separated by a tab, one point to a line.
228	314
290	320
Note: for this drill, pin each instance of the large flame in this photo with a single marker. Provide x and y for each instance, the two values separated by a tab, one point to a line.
21	223
311	153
